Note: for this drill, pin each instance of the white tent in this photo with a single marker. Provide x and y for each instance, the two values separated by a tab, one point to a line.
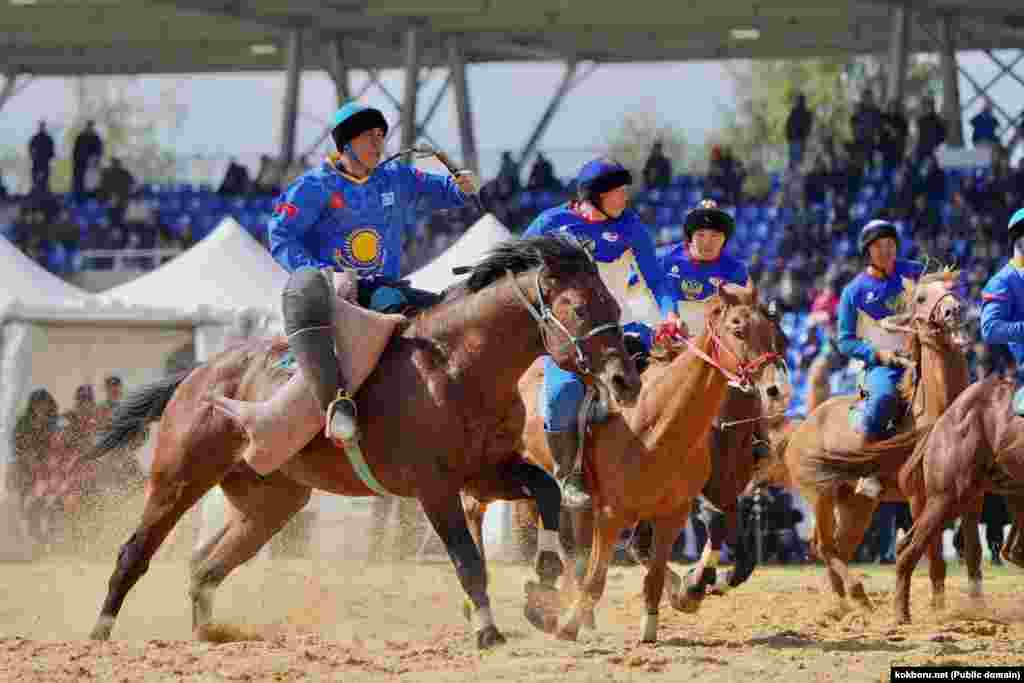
466	251
57	336
226	275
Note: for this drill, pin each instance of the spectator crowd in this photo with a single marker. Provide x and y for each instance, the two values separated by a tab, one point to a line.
796	228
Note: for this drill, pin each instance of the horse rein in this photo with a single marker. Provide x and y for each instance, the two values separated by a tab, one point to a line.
545	318
742	378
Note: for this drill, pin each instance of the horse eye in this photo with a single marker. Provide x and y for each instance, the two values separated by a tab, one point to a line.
921	298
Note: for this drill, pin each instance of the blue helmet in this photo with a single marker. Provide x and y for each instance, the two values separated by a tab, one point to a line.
876	230
600	176
354	119
1016	226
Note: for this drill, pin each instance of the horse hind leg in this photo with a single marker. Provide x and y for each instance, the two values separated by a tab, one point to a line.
972	553
927	526
855	513
166	502
257	509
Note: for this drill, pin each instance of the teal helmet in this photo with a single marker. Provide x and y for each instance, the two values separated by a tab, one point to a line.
1015	228
354	119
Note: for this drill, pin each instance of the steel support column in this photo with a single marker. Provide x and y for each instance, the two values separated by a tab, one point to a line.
898	42
950	81
549	113
12	85
463	107
334	53
293	81
412	85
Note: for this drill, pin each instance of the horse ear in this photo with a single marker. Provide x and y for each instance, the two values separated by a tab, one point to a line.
736	295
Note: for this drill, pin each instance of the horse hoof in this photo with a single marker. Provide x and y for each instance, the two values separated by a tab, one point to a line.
489	637
860	596
686	602
542	606
102	630
566	633
549	567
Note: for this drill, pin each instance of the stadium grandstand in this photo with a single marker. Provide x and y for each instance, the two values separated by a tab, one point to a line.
954	203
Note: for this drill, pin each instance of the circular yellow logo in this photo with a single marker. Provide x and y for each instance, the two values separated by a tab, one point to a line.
364	246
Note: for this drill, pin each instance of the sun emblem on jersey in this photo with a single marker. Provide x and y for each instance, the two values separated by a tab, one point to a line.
363	249
691	289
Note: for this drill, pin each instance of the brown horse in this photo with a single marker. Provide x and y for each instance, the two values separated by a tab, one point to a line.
976	447
825	456
440	413
649	461
730	441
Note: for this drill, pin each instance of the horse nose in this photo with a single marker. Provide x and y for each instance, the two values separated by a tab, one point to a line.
772	391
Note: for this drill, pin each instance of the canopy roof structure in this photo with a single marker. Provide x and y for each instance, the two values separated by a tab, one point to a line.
64	37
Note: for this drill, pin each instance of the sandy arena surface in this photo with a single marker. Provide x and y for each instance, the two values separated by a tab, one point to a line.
347	620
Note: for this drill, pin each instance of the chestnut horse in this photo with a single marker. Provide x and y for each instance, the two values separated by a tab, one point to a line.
731	443
650	460
976	447
438	414
825	456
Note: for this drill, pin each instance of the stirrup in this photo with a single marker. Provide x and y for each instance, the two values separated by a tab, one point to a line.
869	486
341	423
574	496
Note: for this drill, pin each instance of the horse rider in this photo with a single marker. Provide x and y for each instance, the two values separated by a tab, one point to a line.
882	289
1002	307
695	269
350	213
602	220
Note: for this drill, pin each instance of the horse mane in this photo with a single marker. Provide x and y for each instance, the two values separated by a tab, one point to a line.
560	254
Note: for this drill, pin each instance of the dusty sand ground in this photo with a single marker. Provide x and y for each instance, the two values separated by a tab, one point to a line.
346	620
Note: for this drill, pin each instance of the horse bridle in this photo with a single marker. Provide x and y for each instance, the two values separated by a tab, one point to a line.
742	379
545	318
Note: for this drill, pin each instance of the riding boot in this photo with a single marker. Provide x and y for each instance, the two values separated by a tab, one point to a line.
568	473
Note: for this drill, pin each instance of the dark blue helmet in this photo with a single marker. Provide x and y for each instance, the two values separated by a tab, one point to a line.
707	216
600	176
875	230
354	119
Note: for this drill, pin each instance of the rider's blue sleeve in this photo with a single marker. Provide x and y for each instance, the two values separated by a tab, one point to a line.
438	191
646	257
849	344
297	211
996	314
538	226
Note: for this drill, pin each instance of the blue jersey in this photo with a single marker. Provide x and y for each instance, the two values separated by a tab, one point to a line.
689	283
865	301
1002	310
617	246
327	218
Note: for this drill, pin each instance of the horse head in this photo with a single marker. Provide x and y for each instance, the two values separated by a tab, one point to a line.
749	343
936	313
584	334
557	281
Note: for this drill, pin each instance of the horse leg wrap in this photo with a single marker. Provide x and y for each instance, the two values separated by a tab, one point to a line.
548	564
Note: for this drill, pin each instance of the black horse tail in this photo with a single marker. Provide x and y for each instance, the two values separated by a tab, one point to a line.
136	411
